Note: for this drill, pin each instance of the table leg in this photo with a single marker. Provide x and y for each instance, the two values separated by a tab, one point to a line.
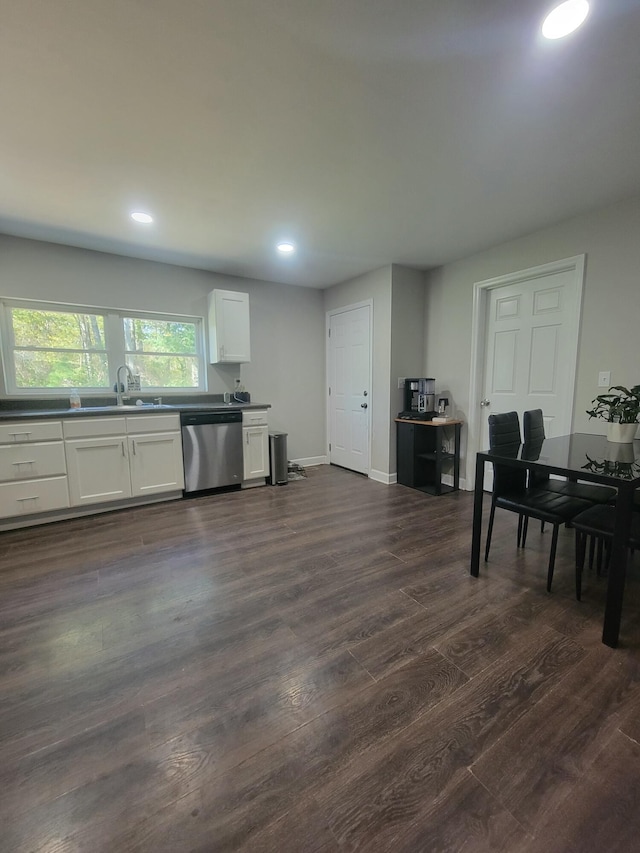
456	457
618	565
438	484
477	517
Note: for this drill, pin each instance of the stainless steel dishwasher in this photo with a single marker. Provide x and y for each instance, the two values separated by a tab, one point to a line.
212	449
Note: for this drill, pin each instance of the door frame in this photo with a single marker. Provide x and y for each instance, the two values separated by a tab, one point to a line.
367	303
575	264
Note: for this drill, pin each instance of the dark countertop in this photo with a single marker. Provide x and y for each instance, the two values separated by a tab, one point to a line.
108	411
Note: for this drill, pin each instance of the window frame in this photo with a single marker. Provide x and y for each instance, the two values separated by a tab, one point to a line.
114	343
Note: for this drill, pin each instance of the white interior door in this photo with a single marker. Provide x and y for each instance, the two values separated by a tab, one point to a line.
531	338
349	369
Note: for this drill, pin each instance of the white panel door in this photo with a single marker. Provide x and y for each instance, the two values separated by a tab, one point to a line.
531	329
349	392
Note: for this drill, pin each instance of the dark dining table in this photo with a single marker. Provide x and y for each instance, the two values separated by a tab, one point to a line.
577	456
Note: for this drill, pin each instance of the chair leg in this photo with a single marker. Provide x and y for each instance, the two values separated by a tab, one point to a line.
522	535
592	550
599	555
542	527
489	531
552	556
581	550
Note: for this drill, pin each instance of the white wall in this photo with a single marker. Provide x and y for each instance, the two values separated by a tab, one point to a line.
610	310
287	323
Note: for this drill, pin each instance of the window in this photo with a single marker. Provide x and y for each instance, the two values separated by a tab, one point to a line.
50	348
162	352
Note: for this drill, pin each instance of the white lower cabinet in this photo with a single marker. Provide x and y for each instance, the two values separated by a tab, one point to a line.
123	457
98	469
156	463
255	444
32	468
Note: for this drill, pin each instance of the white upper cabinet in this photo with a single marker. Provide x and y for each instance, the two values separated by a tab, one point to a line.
229	331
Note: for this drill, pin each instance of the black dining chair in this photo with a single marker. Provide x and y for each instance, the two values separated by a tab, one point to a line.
512	492
598	522
533	428
534	432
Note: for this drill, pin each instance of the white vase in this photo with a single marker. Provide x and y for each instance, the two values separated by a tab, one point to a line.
621	433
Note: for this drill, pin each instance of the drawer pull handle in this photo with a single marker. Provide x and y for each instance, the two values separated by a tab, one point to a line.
31	498
23	432
25	462
133	445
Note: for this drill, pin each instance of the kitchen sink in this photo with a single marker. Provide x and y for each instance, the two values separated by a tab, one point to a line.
109	409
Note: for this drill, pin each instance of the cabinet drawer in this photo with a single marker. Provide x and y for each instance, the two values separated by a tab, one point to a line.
32	496
137	424
88	427
19	432
254	417
30	461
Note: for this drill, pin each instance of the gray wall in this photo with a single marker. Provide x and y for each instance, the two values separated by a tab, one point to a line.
407	339
287	323
610	238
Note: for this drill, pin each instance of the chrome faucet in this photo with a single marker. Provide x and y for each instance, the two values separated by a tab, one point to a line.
120	393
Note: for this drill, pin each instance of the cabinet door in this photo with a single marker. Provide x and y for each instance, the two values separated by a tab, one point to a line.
229	329
32	496
156	463
30	461
255	451
98	470
16	432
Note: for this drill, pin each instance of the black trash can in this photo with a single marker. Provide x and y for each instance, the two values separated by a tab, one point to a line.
278	462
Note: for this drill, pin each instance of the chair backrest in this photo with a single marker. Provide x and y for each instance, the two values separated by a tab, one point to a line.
504	429
533	426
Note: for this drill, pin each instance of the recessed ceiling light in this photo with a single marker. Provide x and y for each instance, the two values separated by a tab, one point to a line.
285	248
139	216
565	18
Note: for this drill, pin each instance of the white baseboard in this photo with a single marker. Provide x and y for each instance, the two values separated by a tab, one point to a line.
382	477
378	476
447	480
310	461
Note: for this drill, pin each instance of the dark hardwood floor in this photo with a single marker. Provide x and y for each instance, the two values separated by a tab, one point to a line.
310	668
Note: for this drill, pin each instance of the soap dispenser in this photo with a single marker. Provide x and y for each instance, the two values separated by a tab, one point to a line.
74	399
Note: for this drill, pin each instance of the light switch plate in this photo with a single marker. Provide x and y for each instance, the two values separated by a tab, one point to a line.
604	379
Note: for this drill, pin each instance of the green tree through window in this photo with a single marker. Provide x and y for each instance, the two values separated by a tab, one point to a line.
56	349
49	349
162	352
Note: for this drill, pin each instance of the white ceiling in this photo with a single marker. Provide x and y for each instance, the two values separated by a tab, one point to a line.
368	131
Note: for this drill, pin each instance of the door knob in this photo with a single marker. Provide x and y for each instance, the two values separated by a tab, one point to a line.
363	406
485	403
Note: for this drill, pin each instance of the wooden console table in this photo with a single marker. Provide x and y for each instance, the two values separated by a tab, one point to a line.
420	456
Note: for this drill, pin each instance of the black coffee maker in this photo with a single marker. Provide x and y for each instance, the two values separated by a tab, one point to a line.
419	398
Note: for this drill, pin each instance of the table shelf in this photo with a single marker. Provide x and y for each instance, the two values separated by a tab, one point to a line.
420	456
433	456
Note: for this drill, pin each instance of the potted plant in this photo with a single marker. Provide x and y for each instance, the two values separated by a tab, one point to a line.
620	410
